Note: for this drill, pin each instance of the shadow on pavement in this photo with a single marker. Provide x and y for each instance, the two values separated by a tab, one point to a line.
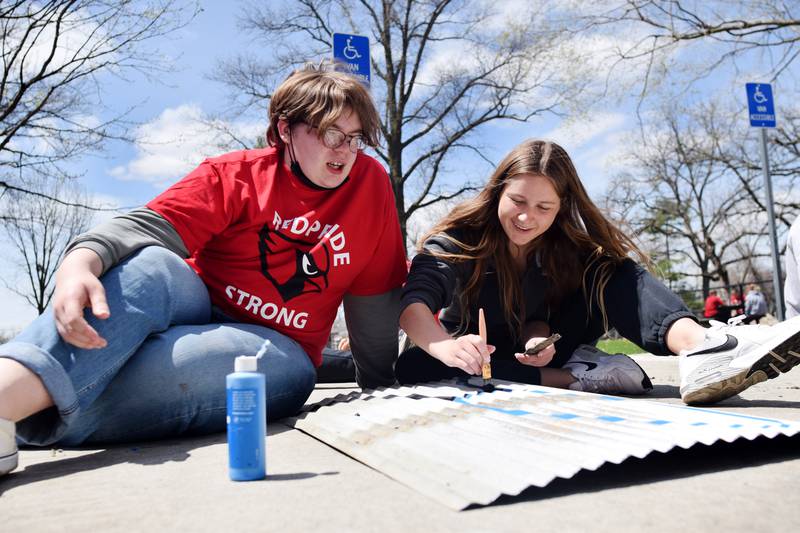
675	464
298	475
144	453
148	453
663	391
672	391
737	401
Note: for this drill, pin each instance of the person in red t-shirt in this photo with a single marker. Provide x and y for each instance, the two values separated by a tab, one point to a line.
253	249
713	305
736	303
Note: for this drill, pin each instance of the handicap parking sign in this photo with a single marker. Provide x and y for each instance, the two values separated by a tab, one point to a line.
352	54
760	105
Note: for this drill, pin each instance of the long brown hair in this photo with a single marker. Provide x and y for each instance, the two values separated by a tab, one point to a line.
579	240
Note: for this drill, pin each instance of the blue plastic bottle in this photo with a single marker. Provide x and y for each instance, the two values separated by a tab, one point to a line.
247	420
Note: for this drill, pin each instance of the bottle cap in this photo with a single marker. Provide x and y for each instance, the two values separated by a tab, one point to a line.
245	363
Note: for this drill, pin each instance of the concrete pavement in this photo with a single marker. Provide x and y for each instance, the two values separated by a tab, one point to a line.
182	485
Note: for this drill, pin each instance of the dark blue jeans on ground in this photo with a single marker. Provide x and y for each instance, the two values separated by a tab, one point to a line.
163	371
637	305
337	366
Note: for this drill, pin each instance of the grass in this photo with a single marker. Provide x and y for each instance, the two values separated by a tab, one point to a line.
619	346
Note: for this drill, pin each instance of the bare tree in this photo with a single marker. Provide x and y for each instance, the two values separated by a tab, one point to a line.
442	70
769	28
54	54
39	230
681	190
738	153
759	36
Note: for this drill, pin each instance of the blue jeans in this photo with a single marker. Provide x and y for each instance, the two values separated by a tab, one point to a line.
163	371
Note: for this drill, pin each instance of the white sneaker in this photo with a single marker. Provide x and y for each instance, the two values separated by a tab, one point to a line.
8	447
732	358
597	371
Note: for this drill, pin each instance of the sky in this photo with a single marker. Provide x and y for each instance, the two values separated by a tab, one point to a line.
169	142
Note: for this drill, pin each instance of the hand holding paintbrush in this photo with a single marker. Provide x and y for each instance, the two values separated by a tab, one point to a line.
467	352
539	351
486	369
538	347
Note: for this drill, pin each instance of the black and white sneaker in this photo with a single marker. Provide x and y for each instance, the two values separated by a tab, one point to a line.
732	358
602	373
8	447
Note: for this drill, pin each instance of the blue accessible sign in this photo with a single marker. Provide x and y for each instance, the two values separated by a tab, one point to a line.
760	104
352	53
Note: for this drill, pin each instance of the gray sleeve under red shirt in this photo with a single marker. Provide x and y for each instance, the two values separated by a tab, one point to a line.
116	239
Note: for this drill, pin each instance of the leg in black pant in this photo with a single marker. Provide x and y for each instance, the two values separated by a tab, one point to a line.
749	319
637	305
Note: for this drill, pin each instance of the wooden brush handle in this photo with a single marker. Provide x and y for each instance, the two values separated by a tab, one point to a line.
486	369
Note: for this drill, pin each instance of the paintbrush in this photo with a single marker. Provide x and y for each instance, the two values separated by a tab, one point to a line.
543	344
486	369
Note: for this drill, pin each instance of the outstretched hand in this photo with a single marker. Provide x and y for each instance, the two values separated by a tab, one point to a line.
541	358
77	288
468	353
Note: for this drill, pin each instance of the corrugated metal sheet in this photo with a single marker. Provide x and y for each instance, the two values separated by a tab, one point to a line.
463	446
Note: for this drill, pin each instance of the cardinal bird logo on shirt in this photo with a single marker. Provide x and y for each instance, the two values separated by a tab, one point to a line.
308	272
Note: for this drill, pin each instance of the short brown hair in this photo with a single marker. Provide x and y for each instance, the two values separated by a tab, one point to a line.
318	95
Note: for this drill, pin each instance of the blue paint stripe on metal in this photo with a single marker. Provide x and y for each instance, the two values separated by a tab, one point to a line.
390	429
725	413
564	416
513	412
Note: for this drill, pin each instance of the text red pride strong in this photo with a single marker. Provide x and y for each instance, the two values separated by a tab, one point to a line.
302	226
266	310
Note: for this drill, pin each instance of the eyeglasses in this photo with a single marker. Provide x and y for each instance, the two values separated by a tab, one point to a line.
333	139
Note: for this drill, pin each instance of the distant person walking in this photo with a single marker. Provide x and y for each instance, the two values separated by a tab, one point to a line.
755	305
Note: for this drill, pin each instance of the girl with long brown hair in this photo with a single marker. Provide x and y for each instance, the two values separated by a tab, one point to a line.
539	257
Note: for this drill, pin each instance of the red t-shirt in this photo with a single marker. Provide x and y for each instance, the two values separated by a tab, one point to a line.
275	251
713	302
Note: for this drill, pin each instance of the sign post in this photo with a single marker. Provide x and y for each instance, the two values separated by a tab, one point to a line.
352	54
761	107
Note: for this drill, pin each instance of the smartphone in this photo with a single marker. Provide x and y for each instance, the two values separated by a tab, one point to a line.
542	345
